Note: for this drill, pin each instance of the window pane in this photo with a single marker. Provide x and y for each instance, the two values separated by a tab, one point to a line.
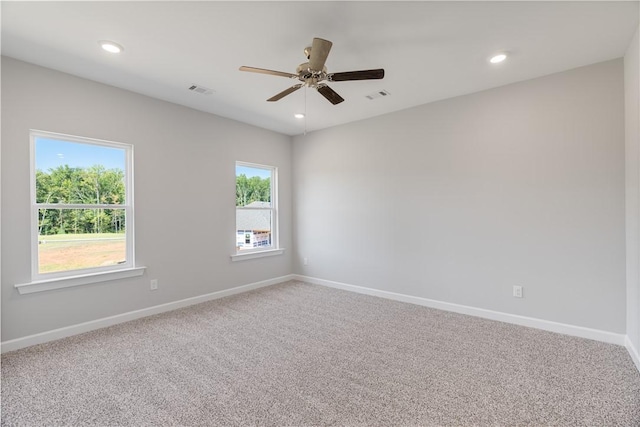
69	172
253	228
253	187
74	239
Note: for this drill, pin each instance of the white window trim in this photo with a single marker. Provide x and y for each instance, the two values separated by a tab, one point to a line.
275	248
245	255
77	280
55	280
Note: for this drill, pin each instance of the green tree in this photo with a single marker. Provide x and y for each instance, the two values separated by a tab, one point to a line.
254	189
93	185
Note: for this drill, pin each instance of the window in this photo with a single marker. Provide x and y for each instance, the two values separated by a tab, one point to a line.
82	206
256	209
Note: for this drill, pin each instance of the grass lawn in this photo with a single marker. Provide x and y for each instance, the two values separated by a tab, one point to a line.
63	252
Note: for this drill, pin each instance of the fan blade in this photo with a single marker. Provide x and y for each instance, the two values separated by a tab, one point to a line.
330	94
319	52
285	93
270	72
356	75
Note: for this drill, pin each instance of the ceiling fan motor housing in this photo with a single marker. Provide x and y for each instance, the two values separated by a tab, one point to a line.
310	77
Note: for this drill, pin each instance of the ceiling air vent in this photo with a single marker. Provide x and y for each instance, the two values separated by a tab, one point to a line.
201	90
378	94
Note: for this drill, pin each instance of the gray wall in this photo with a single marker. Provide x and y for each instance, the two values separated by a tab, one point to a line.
455	201
632	168
461	199
184	195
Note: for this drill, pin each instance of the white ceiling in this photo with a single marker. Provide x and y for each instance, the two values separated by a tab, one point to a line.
429	50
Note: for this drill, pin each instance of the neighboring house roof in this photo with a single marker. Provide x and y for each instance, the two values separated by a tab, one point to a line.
254	219
258	205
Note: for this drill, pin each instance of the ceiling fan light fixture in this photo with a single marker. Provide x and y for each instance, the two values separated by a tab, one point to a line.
111	47
496	59
298	116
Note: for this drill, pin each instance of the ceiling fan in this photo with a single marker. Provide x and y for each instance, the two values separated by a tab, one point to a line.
314	73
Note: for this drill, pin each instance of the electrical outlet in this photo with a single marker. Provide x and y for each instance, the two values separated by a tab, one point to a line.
305	261
154	284
517	291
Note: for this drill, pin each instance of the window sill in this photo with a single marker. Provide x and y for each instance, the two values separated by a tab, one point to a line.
258	254
84	279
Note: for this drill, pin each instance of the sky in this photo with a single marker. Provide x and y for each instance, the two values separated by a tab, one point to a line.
51	153
250	172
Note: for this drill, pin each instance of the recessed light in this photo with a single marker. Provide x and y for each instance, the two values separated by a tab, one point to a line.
111	47
498	58
298	116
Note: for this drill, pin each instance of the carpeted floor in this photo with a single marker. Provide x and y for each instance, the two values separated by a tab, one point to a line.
297	355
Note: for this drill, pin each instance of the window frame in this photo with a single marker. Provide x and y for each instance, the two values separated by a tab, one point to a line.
260	251
93	274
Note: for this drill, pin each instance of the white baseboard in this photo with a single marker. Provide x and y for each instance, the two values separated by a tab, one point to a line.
562	328
633	352
80	328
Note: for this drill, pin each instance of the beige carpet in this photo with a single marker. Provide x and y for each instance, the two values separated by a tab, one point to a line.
299	354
